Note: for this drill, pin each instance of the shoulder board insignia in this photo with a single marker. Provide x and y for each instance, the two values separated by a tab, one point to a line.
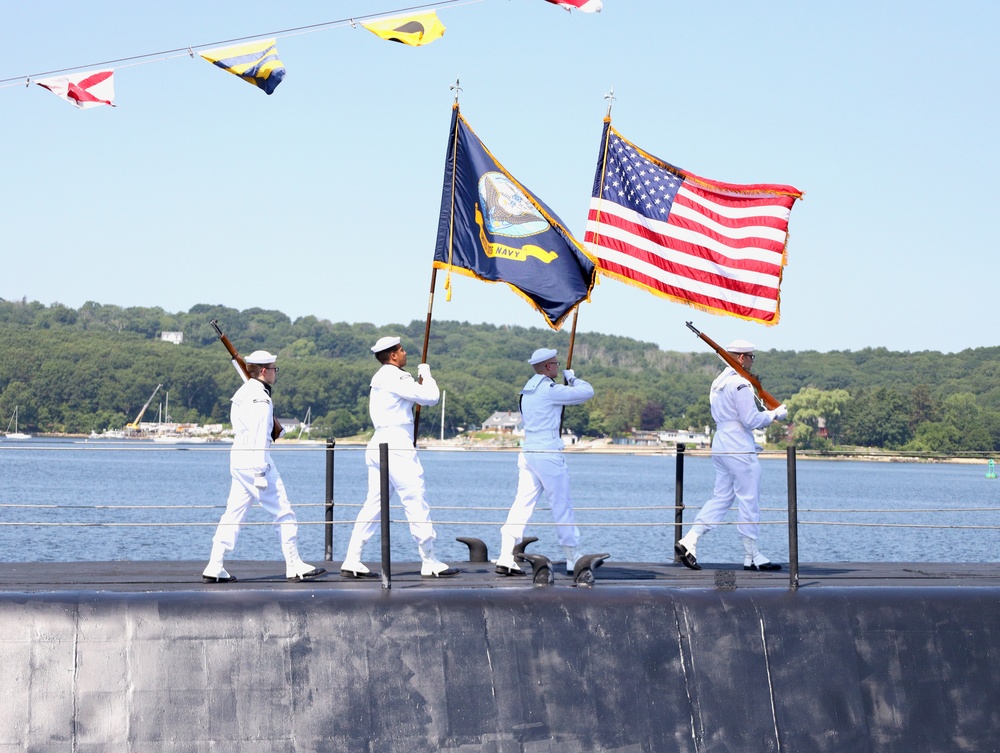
741	387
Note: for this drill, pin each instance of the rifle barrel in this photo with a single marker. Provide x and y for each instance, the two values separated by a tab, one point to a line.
766	397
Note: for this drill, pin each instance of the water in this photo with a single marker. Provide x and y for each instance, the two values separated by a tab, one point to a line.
140	501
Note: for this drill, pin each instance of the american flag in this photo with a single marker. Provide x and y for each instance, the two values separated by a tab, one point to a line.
719	247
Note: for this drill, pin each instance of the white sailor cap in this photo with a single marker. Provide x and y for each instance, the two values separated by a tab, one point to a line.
261	358
384	343
541	355
740	346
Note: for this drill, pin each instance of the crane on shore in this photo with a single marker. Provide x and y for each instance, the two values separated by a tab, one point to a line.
134	426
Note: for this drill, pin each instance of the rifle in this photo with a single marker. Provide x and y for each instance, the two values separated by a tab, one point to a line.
241	369
770	402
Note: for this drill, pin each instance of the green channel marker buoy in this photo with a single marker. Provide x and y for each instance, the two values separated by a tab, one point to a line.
991	471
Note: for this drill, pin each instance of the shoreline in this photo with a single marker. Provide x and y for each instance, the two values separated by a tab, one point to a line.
606	447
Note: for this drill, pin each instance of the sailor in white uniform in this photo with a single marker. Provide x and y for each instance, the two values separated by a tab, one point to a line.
541	466
734	455
394	392
254	475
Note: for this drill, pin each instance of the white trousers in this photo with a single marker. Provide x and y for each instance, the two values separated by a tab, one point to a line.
737	479
538	473
242	495
406	478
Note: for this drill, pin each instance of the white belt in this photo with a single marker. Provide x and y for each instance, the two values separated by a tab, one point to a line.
732	424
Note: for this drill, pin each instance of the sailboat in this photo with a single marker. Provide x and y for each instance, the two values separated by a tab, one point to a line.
15	434
304	427
173	437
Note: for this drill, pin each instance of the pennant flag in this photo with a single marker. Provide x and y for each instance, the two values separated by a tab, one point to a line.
719	247
587	6
84	90
256	63
415	30
494	229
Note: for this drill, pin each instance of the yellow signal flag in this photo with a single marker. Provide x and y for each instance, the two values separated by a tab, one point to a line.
414	30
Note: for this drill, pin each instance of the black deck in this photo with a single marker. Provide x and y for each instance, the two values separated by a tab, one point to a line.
146	577
144	656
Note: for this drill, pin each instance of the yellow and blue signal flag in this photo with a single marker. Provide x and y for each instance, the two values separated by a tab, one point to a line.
256	63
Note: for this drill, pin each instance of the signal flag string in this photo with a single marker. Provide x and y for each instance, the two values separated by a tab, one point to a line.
155	57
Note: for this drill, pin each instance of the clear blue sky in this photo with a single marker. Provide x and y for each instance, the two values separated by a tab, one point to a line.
323	198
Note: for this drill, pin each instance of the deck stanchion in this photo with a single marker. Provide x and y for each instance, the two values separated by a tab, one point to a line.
679	497
793	522
328	528
383	472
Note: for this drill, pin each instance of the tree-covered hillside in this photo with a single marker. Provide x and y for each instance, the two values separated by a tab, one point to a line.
93	368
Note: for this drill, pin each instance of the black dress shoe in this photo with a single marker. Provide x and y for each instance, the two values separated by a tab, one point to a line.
443	574
314	573
355	574
687	558
212	579
504	570
765	566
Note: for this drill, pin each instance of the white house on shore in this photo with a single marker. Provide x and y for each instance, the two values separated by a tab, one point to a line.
687	436
691	438
703	438
505	422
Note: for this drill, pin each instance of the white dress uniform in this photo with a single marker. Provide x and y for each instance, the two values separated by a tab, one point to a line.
394	392
252	417
255	479
541	465
734	455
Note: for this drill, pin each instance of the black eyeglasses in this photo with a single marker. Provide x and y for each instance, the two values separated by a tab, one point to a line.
272	368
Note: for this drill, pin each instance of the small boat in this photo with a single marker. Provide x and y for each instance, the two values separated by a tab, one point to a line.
15	434
179	439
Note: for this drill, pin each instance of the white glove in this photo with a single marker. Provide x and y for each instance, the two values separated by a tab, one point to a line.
569	376
424	371
780	413
260	481
757	447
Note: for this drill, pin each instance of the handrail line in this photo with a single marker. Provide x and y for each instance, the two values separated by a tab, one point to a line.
796	516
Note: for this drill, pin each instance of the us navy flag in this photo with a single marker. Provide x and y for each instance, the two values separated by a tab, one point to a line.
494	229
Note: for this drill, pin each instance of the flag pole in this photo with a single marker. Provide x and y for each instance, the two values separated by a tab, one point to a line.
569	363
572	338
610	96
423	351
430	301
